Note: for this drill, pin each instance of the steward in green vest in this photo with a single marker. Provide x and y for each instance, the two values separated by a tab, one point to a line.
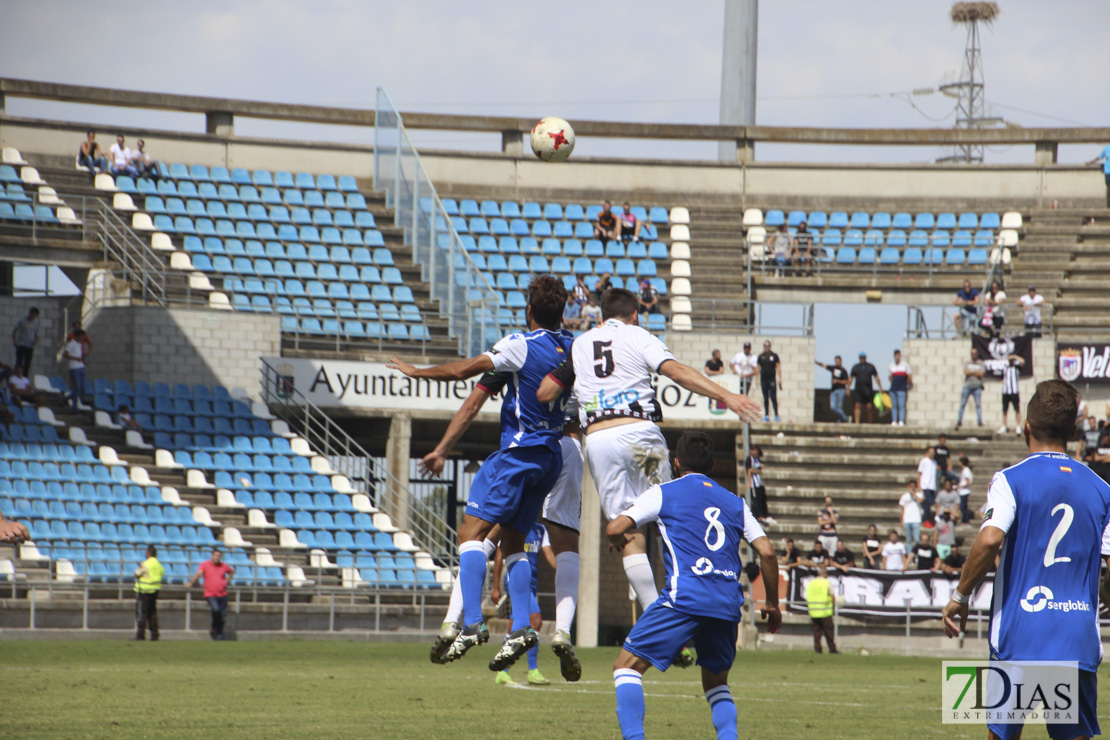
148	582
819	599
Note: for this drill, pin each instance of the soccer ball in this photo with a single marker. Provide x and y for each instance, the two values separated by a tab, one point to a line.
552	139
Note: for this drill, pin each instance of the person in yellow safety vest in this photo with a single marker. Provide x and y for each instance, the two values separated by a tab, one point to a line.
148	582
819	599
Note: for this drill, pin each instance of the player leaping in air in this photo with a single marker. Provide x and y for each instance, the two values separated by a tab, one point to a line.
610	369
511	486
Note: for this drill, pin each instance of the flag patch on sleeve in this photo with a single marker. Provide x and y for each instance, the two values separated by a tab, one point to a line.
1065	469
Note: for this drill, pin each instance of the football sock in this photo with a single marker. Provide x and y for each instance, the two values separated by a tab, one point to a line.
630	703
455	605
489	547
723	710
534	657
519	572
472	575
638	569
566	589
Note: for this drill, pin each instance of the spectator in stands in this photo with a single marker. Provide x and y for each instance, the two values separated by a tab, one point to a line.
901	378
803	250
1104	158
148	582
967	298
872	547
993	318
121	159
840	383
924	555
13	533
753	469
927	483
941	455
791	556
648	297
945	533
863	373
894	553
948	501
20	390
974	370
216	574
6	416
781	247
572	315
628	225
770	379
86	341
963	489
1089	432
744	364
606	225
910	518
819	600
953	564
827	518
1098	458
715	365
1011	392
74	354
602	284
126	420
818	556
843	559
25	336
143	164
580	294
1031	303
591	313
89	155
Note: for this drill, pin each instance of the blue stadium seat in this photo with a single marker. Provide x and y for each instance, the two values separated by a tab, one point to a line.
902	220
838	220
924	221
990	221
912	256
977	257
955	256
774	218
889	256
532	211
933	256
896	238
490	209
347	184
817	220
860	220
541	228
510	209
468	208
867	255
918	238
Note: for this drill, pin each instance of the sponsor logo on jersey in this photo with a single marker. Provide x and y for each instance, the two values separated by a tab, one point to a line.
704	566
1039	598
988	514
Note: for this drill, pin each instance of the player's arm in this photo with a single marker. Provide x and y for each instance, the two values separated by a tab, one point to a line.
1104	589
643	511
498	563
457	370
433	463
618	530
690	379
769	568
979	562
558	380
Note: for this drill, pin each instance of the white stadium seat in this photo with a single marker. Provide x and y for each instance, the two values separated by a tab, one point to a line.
753	217
161	242
11	155
681	322
1011	220
219	301
1000	255
680	286
49	196
680	215
123	202
104	181
141	221
681	304
680	233
67	216
757	235
1007	238
680	269
31	176
680	251
757	253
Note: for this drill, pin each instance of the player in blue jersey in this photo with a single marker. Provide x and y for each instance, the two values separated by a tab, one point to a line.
1046	520
701	525
511	486
536	543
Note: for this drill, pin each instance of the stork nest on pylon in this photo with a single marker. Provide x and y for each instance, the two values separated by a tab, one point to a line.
969	12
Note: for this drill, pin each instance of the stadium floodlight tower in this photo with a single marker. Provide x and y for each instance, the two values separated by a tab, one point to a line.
970	100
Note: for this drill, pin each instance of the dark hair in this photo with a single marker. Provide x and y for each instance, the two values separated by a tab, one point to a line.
617	303
965	461
125	407
90	131
547	297
152	550
694	452
892	532
1052	410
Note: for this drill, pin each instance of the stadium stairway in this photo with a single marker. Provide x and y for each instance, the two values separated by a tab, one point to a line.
864	468
717	266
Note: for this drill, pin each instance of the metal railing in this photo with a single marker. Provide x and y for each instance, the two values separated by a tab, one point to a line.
954	322
823	261
466	299
142	267
746	317
430	530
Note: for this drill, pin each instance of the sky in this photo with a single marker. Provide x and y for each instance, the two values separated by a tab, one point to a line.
846	63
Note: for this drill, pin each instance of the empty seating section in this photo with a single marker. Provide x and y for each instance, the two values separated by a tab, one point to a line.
25	198
304	246
98	516
509	242
885	240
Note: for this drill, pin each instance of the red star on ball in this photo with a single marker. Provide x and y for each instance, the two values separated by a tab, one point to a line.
559	139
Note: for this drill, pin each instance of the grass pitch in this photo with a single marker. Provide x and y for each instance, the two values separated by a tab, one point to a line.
278	690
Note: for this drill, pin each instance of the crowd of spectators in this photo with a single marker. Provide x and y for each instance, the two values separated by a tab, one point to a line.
986	311
121	159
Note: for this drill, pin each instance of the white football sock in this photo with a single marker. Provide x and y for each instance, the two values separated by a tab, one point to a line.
566	589
455	605
638	569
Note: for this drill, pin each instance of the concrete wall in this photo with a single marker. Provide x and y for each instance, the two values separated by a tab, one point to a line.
937	366
182	346
796	353
51	330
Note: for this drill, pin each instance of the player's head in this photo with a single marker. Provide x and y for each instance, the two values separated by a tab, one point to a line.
1051	413
217	556
618	303
547	297
694	453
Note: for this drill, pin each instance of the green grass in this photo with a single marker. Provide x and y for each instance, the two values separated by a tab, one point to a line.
278	690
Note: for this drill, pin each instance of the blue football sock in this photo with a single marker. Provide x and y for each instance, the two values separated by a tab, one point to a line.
519	571
534	657
472	576
723	710
630	703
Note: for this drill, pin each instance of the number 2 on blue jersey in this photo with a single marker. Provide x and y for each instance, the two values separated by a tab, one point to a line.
1050	558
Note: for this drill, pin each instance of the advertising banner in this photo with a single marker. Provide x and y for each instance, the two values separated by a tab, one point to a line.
994	352
871	593
1083	363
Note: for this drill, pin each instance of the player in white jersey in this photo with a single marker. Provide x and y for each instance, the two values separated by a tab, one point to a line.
562	513
610	369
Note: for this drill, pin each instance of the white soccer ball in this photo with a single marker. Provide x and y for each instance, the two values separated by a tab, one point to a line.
552	139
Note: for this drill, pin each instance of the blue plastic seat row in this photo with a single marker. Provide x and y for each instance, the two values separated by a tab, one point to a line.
43	453
14	192
911	256
243	461
180	390
222	443
283	500
329	540
265	268
883	220
26	212
531	210
282	179
239	479
202	425
230	194
109	532
111	491
294	288
100	513
40	433
552	247
294	252
335	214
173	405
341	520
330	235
355	329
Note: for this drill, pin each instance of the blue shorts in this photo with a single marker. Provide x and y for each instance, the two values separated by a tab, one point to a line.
662	631
1088	716
510	487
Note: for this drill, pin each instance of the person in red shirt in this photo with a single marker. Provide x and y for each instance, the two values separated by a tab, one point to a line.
216	574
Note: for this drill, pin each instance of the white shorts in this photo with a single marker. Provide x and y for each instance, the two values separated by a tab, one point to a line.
625	461
563	506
